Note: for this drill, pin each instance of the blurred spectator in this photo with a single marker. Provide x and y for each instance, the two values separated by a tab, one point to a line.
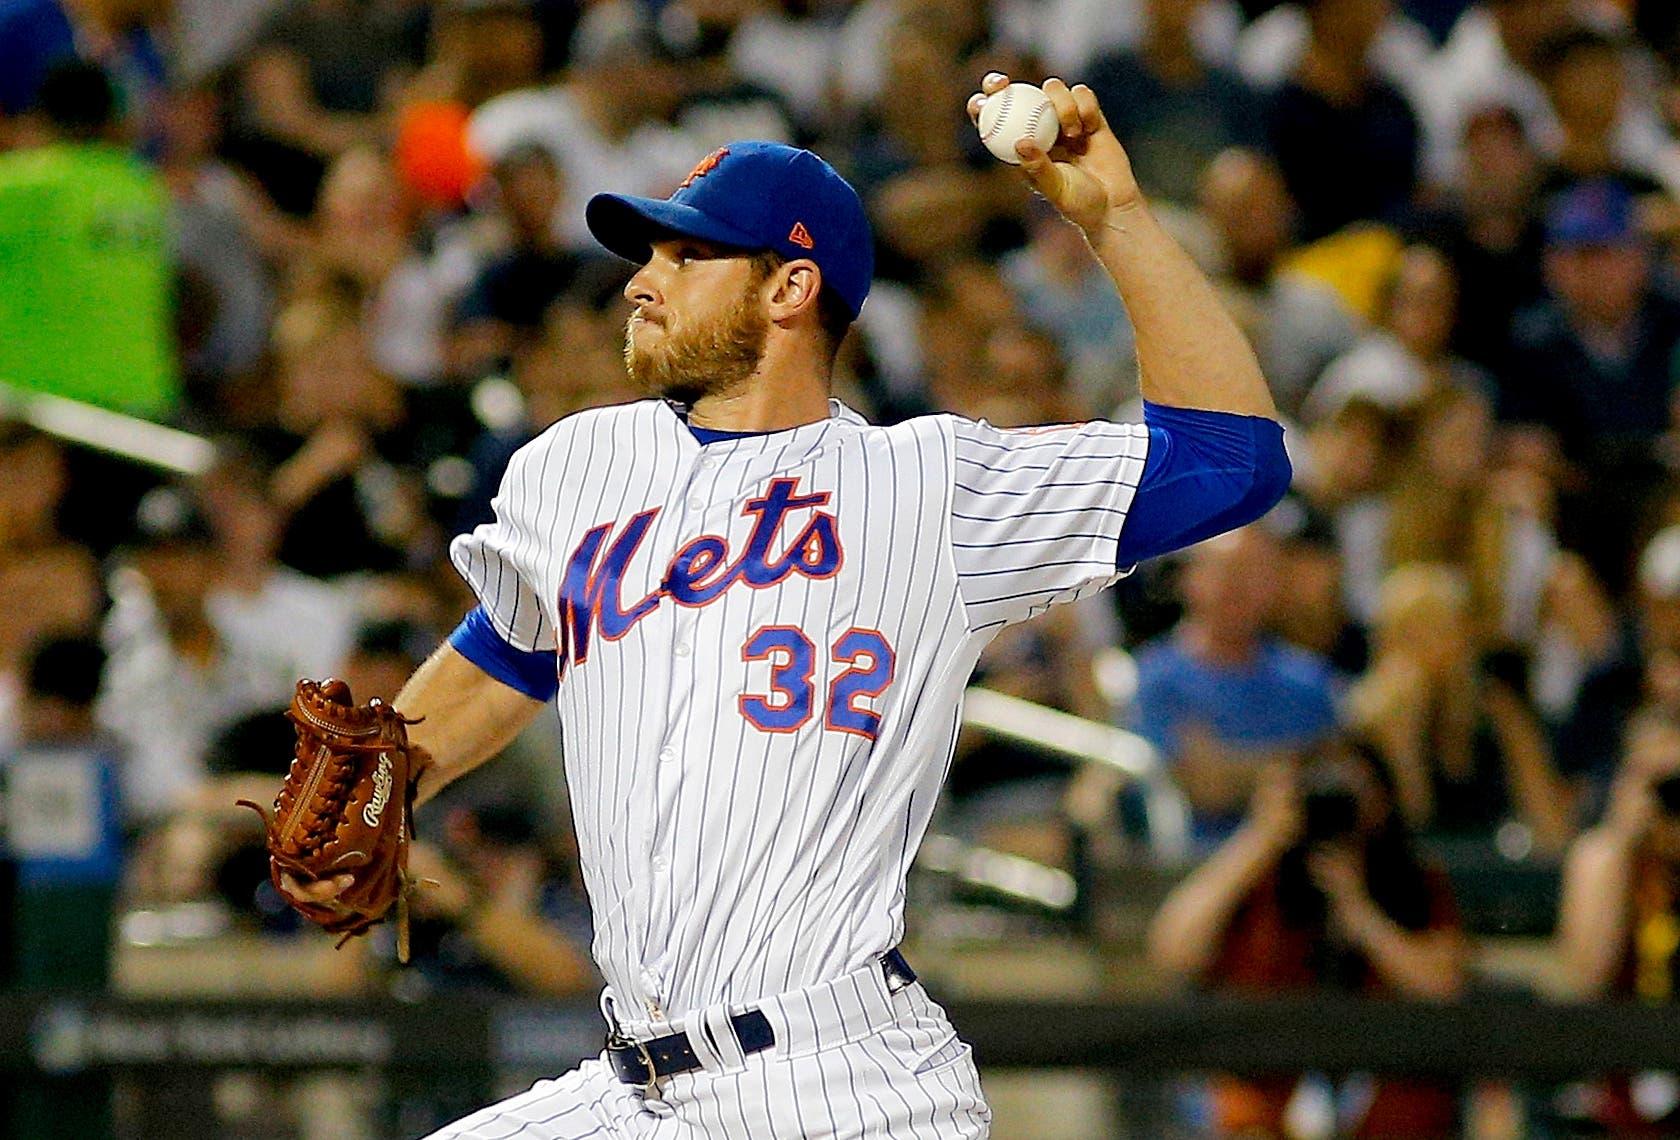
604	121
790	47
1321	889
304	625
717	103
1451	501
1584	675
1465	752
1371	172
1619	921
1488	224
364	243
313	90
499	916
1173	112
1057	284
1297	325
1271	46
573	361
907	125
225	294
62	832
383	657
1349	471
1408	359
124	38
1593	364
1585	80
866	37
63	821
513	291
59	577
204	630
1312	610
84	233
1494	57
480	49
341	434
1489	60
1219	697
35	35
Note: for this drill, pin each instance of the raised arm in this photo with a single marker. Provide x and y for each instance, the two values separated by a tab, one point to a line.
1187	932
1190	352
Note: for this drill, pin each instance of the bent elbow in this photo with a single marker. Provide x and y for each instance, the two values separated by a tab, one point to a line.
1269	476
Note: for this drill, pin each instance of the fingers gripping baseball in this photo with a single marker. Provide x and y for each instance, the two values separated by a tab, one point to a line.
1085	172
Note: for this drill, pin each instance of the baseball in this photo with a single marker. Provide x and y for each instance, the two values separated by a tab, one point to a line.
1018	111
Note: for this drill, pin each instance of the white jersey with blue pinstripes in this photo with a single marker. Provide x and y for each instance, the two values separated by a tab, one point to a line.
763	645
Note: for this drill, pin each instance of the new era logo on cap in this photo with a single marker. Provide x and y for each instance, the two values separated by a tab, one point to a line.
801	237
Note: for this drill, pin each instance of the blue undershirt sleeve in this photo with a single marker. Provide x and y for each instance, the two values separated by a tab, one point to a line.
533	673
1207	473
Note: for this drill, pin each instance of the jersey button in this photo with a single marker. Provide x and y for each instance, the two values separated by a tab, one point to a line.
681	650
696	504
708	463
666	755
660	863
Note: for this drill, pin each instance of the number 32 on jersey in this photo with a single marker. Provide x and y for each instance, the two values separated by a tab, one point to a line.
791	701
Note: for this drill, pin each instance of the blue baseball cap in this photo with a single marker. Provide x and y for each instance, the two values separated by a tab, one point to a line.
753	196
1596	212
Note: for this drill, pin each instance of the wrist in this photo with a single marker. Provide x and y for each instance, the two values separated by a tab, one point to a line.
1265	844
1363	920
1119	217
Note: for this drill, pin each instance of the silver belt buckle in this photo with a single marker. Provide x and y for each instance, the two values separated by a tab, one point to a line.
617	1040
650	1091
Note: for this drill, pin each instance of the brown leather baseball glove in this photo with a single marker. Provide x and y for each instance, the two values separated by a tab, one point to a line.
345	809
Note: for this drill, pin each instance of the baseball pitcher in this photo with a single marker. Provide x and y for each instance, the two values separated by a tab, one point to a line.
756	614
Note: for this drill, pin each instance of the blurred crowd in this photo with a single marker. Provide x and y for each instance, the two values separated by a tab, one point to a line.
343	241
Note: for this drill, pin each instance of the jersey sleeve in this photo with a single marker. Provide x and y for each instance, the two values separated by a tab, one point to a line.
497	560
1036	513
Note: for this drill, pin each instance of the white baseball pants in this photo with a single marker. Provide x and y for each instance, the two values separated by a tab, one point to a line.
851	1061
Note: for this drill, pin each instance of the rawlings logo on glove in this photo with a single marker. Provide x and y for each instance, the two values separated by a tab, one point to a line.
381	791
330	819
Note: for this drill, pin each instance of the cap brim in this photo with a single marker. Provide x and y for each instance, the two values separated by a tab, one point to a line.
628	225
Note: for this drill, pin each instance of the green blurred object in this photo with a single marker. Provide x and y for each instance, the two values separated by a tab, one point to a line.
85	278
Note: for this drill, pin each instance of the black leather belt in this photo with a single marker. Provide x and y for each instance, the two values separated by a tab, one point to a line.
647	1062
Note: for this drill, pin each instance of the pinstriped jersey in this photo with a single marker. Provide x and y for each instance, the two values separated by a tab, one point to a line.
762	646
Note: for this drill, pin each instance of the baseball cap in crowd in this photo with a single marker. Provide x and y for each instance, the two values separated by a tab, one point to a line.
1599	211
753	196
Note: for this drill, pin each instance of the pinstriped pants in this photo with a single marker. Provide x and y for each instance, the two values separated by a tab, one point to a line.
896	1071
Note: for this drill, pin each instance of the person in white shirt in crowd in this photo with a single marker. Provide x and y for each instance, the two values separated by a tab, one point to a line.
205	628
1409	358
605	124
1490	58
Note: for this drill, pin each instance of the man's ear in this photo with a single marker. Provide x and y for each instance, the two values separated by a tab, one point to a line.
795	289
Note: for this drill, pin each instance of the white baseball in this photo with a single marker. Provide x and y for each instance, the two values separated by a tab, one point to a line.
1017	112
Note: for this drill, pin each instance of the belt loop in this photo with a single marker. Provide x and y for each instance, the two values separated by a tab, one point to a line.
717	1027
897	971
607	1003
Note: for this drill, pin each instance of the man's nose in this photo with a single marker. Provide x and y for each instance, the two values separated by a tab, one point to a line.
639	289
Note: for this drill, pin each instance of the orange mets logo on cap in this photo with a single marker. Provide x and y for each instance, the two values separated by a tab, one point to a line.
704	167
801	237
